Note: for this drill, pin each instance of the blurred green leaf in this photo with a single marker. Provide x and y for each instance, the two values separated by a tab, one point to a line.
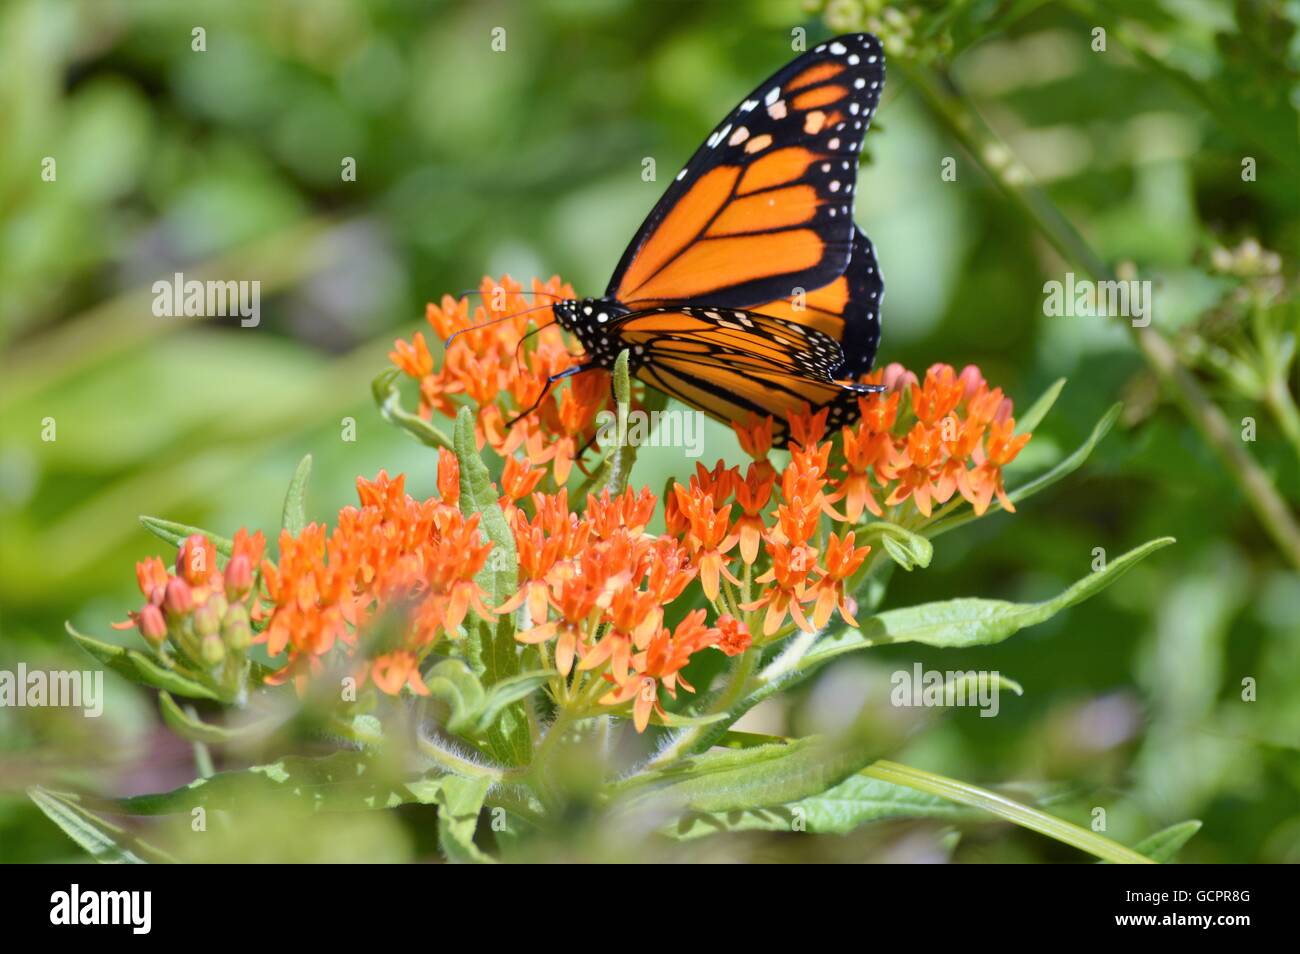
1165	844
295	500
194	729
459	801
176	533
857	801
138	667
1026	423
105	842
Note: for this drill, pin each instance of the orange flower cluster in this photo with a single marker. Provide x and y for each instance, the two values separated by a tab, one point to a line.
502	366
917	441
596	585
391	554
962	436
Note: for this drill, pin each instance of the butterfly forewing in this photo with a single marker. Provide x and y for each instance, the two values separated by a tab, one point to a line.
765	205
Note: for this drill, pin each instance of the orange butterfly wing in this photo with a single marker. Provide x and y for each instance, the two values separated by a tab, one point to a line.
765	205
847	310
730	363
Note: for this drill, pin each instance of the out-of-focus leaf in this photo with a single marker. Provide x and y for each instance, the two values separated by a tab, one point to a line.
344	781
971	621
295	500
452	682
759	777
105	842
1026	423
138	667
196	730
856	801
459	801
175	533
1165	844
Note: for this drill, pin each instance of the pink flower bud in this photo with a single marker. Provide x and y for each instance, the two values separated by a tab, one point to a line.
239	576
179	599
152	625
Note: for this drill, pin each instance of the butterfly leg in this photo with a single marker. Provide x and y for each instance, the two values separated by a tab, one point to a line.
566	373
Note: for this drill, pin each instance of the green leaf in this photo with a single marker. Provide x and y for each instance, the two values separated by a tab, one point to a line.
194	729
1165	844
389	399
1042	481
295	501
495	652
477	495
857	801
175	533
510	690
970	621
907	549
1026	423
452	682
459	801
105	842
343	781
758	777
140	668
614	471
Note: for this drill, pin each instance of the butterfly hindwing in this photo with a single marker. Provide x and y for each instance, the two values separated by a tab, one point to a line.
847	310
765	205
730	363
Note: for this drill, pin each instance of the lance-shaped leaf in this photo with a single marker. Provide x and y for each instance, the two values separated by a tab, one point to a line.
1026	423
1165	844
190	727
758	777
104	841
971	621
960	622
459	801
614	470
508	691
175	533
389	399
494	651
857	801
295	500
138	667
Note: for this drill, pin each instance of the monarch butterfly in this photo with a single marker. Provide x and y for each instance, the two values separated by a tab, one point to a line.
748	288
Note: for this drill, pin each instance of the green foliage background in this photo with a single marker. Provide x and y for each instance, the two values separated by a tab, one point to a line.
226	163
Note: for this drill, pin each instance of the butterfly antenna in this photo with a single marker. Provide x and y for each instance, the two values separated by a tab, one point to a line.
494	321
525	338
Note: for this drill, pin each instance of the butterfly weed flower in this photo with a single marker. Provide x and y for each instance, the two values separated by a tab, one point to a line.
505	352
196	616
